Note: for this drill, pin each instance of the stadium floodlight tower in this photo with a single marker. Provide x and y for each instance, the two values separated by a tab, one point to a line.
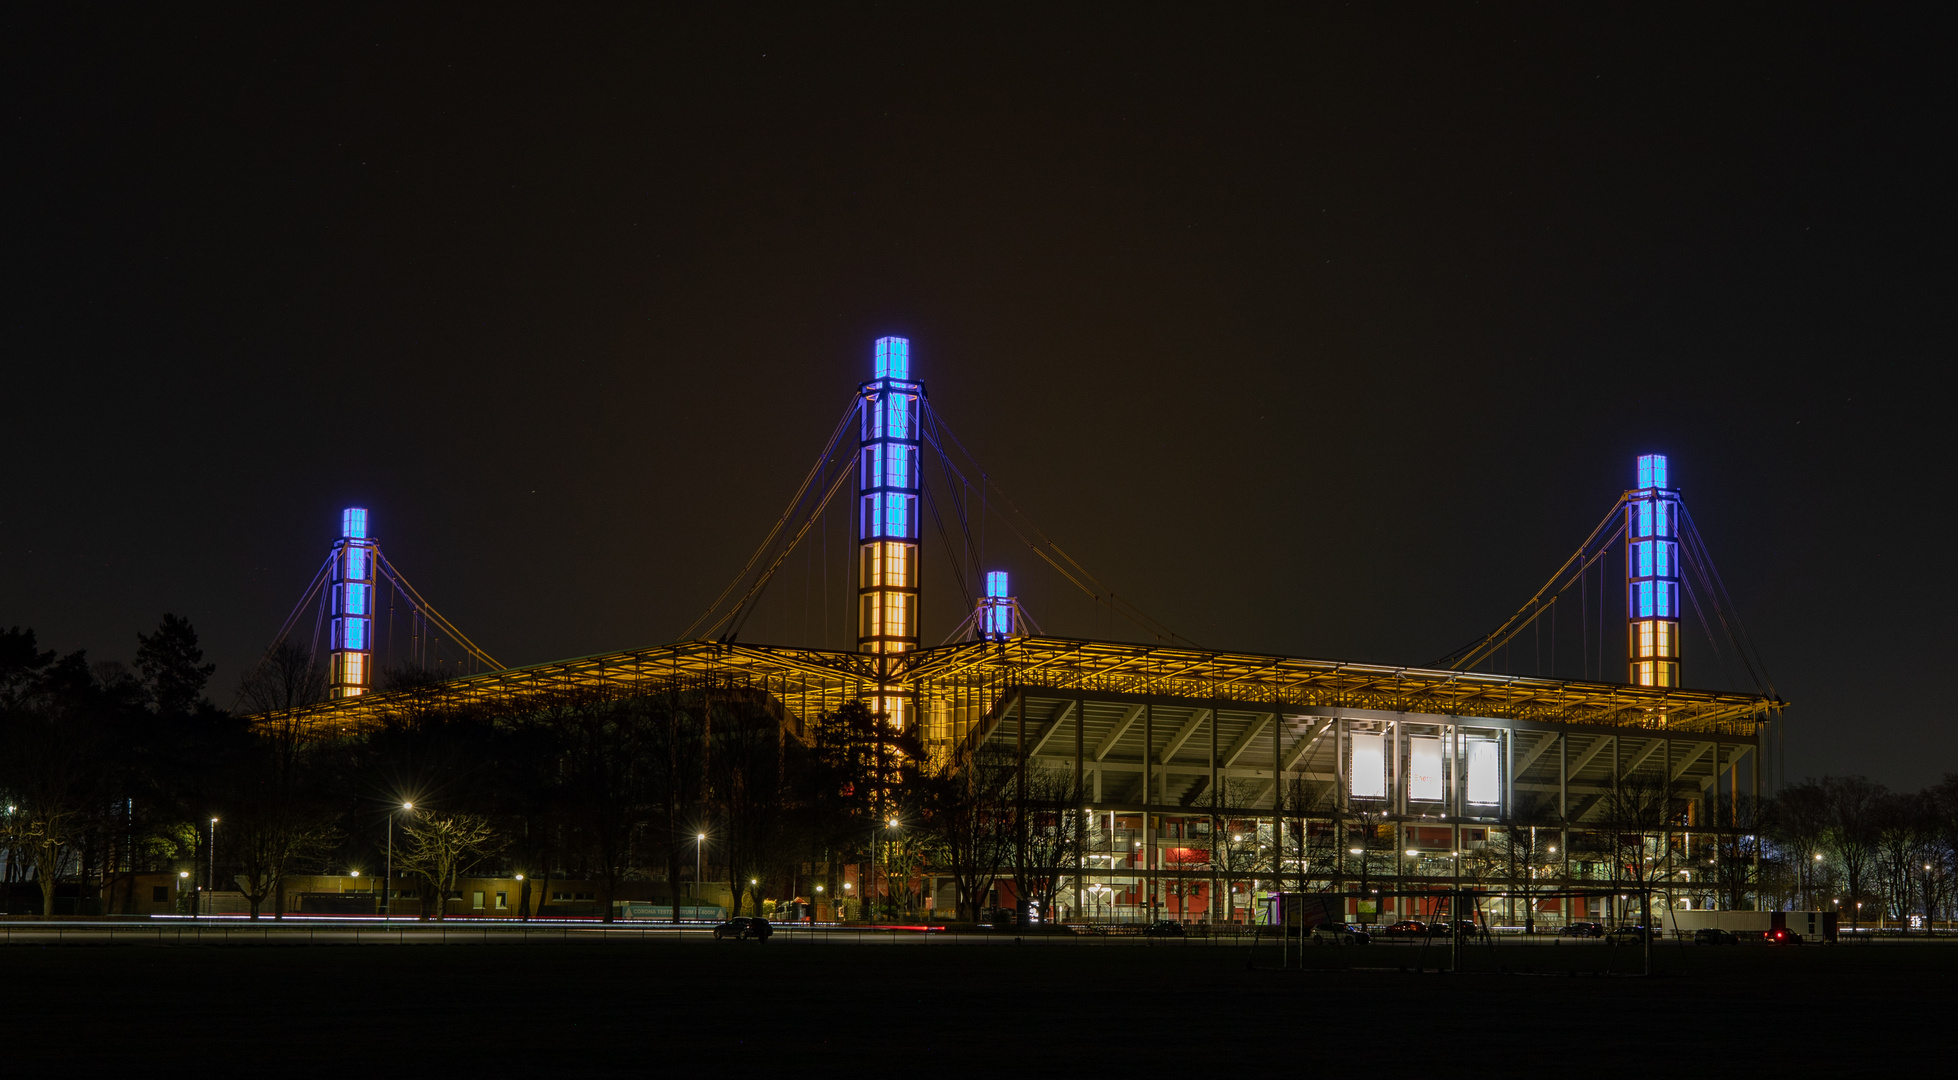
887	520
999	610
1652	574
351	580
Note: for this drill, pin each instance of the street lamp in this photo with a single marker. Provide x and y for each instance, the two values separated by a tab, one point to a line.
387	894
211	879
698	839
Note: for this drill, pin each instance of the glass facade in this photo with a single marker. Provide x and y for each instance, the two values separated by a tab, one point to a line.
1652	575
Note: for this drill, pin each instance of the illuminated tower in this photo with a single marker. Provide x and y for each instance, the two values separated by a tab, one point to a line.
999	610
1652	575
351	580
887	515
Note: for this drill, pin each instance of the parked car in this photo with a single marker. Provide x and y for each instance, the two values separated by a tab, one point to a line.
1407	928
1457	926
743	929
1581	929
1781	935
1164	928
1713	935
1333	933
1627	935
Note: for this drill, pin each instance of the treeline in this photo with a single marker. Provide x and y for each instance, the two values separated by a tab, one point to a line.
1849	842
108	773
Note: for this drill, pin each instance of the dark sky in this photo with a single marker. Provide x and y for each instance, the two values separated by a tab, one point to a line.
1327	337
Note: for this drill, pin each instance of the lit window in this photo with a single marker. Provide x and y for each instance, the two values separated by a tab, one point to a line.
1665	646
1663	565
356	600
1662	518
352	668
1642	600
1668	597
996	583
873	465
1642	558
357	562
896	517
1642	635
353	523
1642	519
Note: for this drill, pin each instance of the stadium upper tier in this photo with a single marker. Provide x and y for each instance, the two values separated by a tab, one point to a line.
811	682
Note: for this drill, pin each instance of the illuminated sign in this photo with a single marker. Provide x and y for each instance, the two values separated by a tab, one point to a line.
1424	769
1484	772
1369	770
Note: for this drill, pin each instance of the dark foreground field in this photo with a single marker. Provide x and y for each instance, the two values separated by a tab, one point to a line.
647	1008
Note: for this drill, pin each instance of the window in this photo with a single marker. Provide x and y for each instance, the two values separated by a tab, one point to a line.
1662	518
357	563
476	901
353	523
1642	559
159	894
353	599
502	901
1641	600
352	633
1667	559
1641	513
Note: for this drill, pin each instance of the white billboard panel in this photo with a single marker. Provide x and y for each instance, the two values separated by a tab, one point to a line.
1484	772
1424	769
1369	772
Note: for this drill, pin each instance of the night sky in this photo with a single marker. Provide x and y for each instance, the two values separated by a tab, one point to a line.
1328	337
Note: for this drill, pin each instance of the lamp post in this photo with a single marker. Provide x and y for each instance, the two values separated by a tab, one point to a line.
387	894
698	840
211	876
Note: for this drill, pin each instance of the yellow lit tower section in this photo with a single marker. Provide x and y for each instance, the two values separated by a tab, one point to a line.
887	516
350	670
1652	574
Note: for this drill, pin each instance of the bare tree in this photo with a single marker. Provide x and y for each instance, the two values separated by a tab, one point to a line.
1853	805
440	848
968	809
1046	841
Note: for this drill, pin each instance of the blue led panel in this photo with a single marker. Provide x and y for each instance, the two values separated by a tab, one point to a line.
893	358
897	416
1642	600
1642	558
1664	565
356	603
897	467
353	523
1668	597
354	633
897	516
1652	471
996	584
1662	518
356	563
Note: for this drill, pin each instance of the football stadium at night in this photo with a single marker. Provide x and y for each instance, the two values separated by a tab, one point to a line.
1173	782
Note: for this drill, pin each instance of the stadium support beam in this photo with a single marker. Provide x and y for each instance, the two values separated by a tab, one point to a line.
1108	742
1243	742
1047	731
1183	734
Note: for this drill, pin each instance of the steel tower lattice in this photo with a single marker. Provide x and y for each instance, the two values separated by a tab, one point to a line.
351	604
1652	521
888	461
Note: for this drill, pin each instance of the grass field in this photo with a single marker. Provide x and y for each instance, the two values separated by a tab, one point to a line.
651	1008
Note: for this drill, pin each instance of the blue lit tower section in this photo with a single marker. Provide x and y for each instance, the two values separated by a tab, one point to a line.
887	513
1652	574
351	580
998	610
